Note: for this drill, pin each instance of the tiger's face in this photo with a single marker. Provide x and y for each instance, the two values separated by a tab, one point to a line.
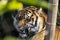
28	22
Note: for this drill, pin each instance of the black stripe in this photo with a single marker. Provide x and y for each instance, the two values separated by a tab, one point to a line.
36	21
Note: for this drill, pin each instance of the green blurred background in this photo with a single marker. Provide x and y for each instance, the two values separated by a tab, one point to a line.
9	5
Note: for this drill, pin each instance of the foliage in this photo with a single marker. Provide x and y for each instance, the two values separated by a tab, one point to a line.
11	38
15	5
40	3
11	5
58	18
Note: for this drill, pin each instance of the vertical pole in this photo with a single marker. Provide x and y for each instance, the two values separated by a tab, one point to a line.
51	22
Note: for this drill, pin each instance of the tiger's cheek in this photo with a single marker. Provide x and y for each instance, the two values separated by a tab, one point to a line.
41	23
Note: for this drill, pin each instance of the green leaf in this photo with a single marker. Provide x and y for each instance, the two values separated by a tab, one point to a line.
15	5
11	38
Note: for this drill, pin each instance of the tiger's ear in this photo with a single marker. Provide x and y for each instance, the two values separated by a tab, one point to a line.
40	11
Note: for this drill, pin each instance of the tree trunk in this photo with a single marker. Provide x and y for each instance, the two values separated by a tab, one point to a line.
51	22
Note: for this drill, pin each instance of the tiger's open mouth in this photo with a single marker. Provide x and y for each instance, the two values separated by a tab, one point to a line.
27	31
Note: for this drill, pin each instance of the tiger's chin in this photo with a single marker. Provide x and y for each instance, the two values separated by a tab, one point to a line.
22	35
29	35
27	32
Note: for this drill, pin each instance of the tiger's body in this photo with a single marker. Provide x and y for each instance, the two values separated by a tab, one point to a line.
30	22
41	35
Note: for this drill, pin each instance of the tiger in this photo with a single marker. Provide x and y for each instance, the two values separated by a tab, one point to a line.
29	21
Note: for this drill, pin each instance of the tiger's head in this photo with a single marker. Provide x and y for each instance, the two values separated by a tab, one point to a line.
28	21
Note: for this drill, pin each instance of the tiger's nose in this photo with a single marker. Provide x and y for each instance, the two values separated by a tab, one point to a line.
22	23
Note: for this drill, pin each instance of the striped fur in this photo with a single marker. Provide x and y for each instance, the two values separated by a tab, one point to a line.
29	21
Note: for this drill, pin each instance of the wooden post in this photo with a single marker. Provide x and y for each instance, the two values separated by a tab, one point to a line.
51	22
